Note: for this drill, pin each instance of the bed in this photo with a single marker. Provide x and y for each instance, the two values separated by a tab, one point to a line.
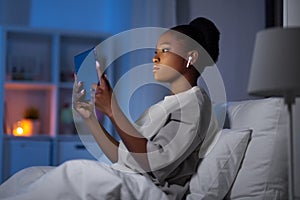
246	160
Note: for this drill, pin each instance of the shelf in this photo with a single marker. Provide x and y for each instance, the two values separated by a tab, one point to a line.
28	56
27	85
37	71
31	138
19	97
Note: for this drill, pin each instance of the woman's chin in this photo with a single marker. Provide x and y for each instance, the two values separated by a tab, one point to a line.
157	78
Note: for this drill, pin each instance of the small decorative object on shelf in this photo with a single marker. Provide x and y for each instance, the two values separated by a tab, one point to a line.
23	68
66	118
18	129
31	121
32	113
23	128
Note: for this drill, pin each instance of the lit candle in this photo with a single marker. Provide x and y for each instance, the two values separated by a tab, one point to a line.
22	128
19	131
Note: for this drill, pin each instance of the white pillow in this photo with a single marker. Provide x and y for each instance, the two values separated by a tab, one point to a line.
218	169
263	174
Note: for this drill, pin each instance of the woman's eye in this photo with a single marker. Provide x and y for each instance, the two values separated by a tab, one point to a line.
164	50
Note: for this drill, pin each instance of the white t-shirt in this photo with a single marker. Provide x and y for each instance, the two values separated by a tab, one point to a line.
175	129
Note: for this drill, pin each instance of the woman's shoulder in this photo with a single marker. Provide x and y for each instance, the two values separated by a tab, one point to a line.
195	95
188	105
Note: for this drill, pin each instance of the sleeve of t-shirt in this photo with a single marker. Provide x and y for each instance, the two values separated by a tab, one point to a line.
174	142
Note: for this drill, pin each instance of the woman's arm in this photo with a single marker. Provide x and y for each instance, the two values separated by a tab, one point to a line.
107	143
133	140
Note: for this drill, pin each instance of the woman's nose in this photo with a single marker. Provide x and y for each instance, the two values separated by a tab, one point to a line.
155	59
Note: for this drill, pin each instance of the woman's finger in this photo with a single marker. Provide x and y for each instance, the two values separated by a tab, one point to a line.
79	95
78	86
82	104
75	78
106	79
104	82
99	72
75	83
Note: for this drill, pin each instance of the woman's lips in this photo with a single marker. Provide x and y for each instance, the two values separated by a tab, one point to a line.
155	68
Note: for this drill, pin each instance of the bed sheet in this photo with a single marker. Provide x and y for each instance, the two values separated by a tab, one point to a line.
78	179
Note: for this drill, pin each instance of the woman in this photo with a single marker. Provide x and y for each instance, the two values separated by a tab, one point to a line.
166	148
162	147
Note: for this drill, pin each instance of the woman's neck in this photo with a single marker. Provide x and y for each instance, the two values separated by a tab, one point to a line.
182	84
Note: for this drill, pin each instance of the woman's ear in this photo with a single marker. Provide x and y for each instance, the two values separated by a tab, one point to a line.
195	55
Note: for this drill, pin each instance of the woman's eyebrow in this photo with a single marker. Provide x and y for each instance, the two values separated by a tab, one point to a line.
164	43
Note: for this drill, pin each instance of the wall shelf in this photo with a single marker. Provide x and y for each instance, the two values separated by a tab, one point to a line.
38	72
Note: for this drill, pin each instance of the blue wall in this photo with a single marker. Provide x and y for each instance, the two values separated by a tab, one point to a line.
92	15
108	16
238	21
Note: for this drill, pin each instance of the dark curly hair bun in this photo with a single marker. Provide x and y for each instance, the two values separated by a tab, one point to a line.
208	36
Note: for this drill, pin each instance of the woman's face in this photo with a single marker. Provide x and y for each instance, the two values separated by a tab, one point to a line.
169	59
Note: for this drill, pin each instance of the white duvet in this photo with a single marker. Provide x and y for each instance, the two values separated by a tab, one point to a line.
78	179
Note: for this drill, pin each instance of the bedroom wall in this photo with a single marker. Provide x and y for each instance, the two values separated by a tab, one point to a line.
92	15
111	17
22	7
238	21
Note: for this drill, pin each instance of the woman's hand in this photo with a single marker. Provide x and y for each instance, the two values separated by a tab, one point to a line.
106	103
104	94
83	107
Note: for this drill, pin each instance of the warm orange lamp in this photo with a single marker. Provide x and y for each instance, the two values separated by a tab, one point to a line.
23	128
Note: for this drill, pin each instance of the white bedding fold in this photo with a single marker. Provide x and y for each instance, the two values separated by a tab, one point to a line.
78	179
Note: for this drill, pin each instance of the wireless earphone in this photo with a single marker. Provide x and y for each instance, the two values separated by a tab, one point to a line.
189	61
